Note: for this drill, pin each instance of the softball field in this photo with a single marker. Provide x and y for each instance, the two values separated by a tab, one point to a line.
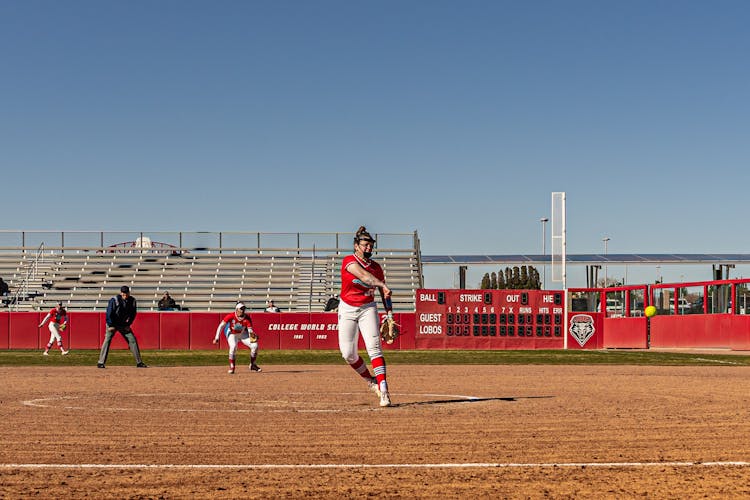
316	431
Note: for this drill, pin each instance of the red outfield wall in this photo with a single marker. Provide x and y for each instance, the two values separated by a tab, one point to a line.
725	331
444	319
186	330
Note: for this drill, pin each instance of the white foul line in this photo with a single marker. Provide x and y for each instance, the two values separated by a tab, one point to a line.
380	466
716	361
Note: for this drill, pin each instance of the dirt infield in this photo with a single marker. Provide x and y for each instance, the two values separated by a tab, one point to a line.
316	431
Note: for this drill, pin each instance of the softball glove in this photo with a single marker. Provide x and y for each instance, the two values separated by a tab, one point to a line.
389	330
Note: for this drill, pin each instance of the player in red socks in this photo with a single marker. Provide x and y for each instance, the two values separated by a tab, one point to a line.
58	322
358	312
238	328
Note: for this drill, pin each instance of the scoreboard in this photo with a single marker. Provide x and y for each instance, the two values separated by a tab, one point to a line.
490	319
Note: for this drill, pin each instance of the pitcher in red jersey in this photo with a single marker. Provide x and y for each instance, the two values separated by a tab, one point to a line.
358	312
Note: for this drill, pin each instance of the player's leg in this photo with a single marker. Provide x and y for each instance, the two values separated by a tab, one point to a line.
52	332
104	352
369	326
54	328
348	330
232	341
127	332
253	346
254	357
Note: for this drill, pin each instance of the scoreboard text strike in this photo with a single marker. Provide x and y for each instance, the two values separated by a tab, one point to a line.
490	319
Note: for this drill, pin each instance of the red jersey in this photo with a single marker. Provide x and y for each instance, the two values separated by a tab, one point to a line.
236	326
353	291
58	316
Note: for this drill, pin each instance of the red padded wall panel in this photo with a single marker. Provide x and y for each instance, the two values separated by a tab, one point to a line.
4	326
174	330
24	330
324	333
291	335
85	329
267	325
628	333
203	328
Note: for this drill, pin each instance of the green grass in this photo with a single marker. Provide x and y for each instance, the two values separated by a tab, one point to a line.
535	357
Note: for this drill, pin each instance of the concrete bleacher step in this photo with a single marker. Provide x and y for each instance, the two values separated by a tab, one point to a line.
87	278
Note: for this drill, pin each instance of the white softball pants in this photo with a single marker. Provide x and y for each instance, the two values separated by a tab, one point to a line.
362	319
234	340
54	333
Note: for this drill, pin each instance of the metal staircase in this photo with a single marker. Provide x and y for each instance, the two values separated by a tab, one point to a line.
33	272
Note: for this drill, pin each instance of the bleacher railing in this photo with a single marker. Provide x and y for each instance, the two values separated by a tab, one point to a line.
199	241
23	291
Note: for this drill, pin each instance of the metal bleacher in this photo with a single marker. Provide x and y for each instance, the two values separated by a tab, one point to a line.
297	279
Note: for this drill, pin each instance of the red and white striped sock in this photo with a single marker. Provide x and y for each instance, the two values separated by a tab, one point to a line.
231	363
378	366
360	367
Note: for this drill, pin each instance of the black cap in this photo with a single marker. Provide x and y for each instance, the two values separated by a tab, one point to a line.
124	289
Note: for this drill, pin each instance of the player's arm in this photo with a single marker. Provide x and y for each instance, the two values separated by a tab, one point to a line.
250	331
110	311
218	331
385	295
44	320
362	274
387	304
135	311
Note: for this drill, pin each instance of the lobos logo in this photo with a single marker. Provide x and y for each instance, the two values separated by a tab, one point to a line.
582	328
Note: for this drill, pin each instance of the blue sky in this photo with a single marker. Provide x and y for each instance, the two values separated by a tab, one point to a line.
454	119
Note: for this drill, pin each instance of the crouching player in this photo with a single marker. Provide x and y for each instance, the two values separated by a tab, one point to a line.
58	321
237	327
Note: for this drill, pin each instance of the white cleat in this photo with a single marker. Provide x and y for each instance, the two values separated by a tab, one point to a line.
230	371
385	399
64	353
45	353
373	386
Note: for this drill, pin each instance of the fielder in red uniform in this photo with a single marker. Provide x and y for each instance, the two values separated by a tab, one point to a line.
358	312
58	321
237	327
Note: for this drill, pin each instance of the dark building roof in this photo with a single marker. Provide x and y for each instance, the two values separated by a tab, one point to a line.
612	258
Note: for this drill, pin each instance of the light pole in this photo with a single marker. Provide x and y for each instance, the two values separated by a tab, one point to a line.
605	240
544	221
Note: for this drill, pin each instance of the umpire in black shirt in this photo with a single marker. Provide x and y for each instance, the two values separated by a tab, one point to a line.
121	312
